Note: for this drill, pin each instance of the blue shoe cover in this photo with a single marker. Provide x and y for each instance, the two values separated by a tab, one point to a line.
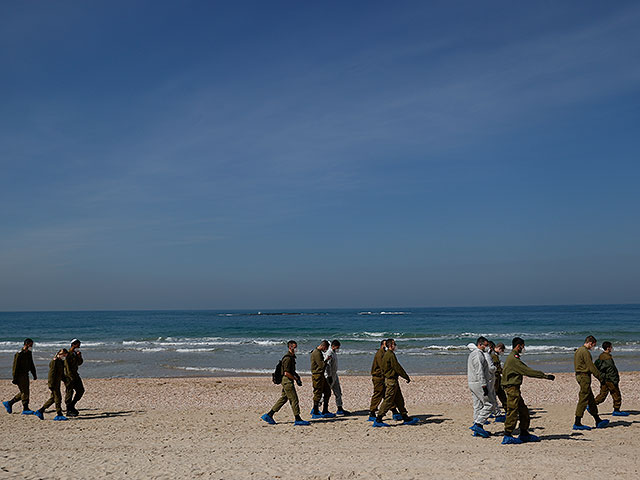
8	407
411	421
615	413
509	440
581	427
487	422
380	424
60	418
28	412
528	438
480	431
328	415
371	418
317	415
397	416
267	418
501	418
301	422
602	424
39	414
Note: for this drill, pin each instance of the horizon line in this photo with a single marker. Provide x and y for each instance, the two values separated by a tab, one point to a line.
292	309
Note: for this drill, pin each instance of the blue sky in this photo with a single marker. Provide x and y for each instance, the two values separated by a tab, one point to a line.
329	154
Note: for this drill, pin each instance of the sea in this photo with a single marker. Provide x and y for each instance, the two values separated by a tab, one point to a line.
240	342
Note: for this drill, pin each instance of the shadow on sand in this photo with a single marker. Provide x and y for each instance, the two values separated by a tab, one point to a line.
359	413
622	423
423	419
97	414
565	436
340	418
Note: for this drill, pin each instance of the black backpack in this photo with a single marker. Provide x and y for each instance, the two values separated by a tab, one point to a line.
276	376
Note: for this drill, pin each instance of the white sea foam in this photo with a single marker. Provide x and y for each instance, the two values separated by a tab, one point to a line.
203	340
48	344
194	344
183	342
525	335
230	370
267	342
223	369
195	350
629	348
547	348
384	313
356	352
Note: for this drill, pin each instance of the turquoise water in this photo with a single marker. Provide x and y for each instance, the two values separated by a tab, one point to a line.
430	340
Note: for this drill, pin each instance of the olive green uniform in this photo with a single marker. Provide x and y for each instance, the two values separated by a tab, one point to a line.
584	368
610	380
391	370
500	393
320	384
288	388
512	373
56	375
22	365
377	378
72	380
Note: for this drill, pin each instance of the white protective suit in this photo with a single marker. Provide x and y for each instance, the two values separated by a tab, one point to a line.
331	360
478	376
491	386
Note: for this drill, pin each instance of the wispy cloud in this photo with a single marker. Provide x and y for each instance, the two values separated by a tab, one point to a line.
308	124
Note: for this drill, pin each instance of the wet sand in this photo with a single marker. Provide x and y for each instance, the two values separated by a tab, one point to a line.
211	428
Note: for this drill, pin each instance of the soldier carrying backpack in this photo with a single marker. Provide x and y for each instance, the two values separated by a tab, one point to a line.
287	375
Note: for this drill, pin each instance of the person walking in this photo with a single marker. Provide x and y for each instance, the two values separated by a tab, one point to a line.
331	374
491	384
289	376
500	393
391	369
610	379
377	378
22	365
478	378
321	387
56	374
514	370
584	368
74	389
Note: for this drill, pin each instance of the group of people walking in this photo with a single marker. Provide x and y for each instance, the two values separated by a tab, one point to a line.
385	372
63	368
324	378
494	387
486	376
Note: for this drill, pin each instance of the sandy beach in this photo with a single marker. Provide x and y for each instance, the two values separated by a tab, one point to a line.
211	428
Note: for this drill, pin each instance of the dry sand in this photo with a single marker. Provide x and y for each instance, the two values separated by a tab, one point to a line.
211	427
